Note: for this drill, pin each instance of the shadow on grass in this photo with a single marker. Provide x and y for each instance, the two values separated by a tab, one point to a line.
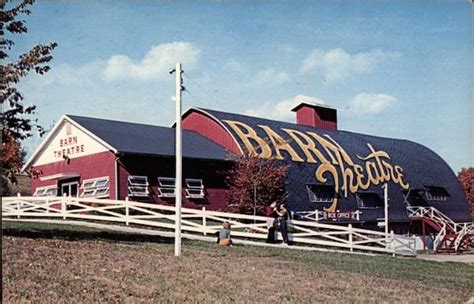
71	235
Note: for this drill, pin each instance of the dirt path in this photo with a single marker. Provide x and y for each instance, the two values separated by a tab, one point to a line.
461	258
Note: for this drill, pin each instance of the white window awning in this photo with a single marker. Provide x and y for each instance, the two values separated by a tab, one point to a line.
59	176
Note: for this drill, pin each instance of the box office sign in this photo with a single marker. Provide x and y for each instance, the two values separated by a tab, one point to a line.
337	215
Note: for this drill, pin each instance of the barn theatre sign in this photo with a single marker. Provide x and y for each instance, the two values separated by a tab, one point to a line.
68	146
349	177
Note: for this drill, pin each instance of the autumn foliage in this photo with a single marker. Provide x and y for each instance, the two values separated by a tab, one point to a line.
11	162
466	178
256	181
17	121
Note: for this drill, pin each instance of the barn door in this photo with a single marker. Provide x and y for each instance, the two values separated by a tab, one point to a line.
70	189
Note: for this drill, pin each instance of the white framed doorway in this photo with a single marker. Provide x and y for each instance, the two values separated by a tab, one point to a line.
70	189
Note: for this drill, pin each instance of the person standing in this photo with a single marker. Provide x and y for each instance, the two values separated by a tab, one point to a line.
283	216
270	211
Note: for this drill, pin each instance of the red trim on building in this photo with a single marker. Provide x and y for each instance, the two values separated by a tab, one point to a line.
208	127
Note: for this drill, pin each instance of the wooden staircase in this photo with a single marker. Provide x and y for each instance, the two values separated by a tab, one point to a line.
451	237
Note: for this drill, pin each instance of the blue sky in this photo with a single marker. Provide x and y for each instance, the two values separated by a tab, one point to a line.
395	68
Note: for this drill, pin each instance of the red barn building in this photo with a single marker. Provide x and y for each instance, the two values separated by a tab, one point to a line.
91	157
329	169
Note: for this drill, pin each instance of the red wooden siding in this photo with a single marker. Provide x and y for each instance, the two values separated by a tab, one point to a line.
208	127
211	172
122	181
103	164
216	199
90	166
319	118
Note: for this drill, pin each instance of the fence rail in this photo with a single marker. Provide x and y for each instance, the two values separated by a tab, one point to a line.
204	222
438	217
446	226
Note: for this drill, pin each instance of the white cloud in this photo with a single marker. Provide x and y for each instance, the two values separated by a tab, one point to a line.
270	78
337	64
155	64
370	103
282	109
68	75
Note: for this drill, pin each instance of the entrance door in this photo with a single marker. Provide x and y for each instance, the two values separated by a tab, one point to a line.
70	189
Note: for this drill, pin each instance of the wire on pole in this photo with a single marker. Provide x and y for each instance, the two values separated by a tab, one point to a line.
210	95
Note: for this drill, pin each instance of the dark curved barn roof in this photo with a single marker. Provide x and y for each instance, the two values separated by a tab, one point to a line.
422	169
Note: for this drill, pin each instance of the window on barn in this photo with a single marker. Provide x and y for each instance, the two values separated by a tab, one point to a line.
320	193
369	200
414	197
46	191
436	194
166	187
95	187
195	188
138	186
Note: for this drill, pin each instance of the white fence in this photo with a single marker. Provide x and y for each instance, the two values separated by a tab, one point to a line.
438	217
203	222
446	225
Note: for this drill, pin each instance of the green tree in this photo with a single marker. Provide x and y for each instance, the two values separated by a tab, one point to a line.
18	122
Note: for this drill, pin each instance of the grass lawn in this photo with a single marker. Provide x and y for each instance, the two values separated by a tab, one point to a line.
55	263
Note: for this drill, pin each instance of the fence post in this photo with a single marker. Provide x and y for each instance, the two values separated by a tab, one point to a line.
316	215
126	211
64	205
18	205
350	238
204	220
63	208
392	244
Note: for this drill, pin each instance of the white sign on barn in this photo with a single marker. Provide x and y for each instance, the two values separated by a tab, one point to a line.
68	142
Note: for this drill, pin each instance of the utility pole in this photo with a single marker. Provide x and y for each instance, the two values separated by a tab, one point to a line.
179	168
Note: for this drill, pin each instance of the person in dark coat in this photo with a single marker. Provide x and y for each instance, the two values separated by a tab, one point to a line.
283	216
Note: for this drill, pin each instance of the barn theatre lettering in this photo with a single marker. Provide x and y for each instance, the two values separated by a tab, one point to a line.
68	146
349	177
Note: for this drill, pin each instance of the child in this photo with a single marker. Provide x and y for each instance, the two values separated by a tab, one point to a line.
224	235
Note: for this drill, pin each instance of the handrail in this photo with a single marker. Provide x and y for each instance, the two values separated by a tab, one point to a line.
444	222
439	238
466	230
435	215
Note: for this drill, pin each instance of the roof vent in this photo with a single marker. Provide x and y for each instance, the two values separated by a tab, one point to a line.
316	115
